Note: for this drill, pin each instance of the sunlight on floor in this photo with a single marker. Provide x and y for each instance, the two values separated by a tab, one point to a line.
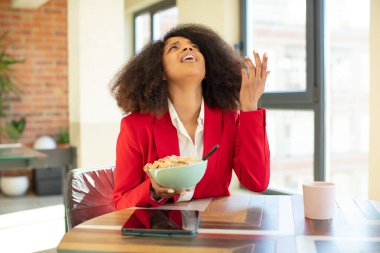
38	229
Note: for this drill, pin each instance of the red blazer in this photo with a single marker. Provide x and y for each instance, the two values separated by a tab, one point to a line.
143	138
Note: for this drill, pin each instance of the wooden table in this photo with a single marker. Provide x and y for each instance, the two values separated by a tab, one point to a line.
242	223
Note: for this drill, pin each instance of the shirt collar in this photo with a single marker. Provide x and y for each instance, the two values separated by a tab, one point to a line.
174	116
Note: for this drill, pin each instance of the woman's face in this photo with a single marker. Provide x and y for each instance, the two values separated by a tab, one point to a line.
182	61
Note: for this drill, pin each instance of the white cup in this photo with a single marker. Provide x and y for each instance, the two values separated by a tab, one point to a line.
319	200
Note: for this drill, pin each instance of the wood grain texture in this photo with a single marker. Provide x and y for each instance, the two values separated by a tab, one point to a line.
240	224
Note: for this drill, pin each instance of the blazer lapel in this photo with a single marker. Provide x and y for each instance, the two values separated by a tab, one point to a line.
165	136
212	129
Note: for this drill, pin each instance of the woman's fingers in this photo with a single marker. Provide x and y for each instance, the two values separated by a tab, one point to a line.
264	71
259	69
265	77
251	67
257	72
244	76
168	192
258	64
163	192
253	81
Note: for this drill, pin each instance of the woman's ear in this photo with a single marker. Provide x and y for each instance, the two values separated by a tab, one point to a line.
163	77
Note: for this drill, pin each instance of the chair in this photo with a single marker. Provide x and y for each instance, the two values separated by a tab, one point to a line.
88	192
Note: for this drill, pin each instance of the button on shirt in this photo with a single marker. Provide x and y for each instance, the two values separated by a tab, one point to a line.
186	145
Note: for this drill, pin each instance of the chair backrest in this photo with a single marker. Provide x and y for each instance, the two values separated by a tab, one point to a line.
88	192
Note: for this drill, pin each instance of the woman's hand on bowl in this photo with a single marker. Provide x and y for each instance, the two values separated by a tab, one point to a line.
160	191
163	192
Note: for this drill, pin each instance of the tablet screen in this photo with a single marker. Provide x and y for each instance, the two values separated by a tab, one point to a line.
162	222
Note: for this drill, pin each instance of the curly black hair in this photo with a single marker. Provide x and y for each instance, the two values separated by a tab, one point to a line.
139	86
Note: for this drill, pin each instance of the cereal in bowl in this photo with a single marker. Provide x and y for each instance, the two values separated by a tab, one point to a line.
171	161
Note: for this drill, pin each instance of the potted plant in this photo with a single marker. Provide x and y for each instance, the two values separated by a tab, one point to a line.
15	128
12	182
63	139
8	88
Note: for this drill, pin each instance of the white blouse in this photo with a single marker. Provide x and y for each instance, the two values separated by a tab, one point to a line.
186	145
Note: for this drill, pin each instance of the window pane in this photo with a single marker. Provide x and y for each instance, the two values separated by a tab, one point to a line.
291	143
142	31
279	28
347	86
163	21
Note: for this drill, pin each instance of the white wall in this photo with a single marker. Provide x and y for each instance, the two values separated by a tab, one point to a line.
374	145
96	35
221	15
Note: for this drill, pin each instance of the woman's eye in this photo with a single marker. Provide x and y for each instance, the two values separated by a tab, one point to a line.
195	46
172	48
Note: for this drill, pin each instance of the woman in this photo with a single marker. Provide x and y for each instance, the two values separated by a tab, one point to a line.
182	94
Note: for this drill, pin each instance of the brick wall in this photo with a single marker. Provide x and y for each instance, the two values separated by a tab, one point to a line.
38	36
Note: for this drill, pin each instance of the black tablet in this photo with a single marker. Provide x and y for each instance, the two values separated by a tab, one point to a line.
158	222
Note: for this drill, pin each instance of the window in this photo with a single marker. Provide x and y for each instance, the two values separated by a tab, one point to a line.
347	90
281	29
153	22
291	138
317	92
266	22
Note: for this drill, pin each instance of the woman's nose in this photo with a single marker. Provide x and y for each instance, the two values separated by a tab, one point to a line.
188	48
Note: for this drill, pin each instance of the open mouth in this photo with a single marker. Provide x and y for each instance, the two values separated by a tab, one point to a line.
189	58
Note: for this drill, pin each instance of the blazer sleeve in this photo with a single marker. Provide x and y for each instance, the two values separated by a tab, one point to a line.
131	184
251	151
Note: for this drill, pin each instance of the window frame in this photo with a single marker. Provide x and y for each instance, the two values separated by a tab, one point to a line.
311	99
152	10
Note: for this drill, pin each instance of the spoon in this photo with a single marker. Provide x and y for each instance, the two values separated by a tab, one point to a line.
210	152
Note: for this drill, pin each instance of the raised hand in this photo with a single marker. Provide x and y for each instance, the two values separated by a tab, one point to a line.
253	83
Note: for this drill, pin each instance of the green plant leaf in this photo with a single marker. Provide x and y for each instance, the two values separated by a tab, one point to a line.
15	128
63	137
12	132
7	85
19	125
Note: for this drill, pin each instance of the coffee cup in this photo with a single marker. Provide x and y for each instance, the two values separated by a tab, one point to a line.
319	200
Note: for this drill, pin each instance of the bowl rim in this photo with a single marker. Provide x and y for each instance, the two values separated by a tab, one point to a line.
168	168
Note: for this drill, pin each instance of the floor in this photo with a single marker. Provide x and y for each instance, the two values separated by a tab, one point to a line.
38	219
27	202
